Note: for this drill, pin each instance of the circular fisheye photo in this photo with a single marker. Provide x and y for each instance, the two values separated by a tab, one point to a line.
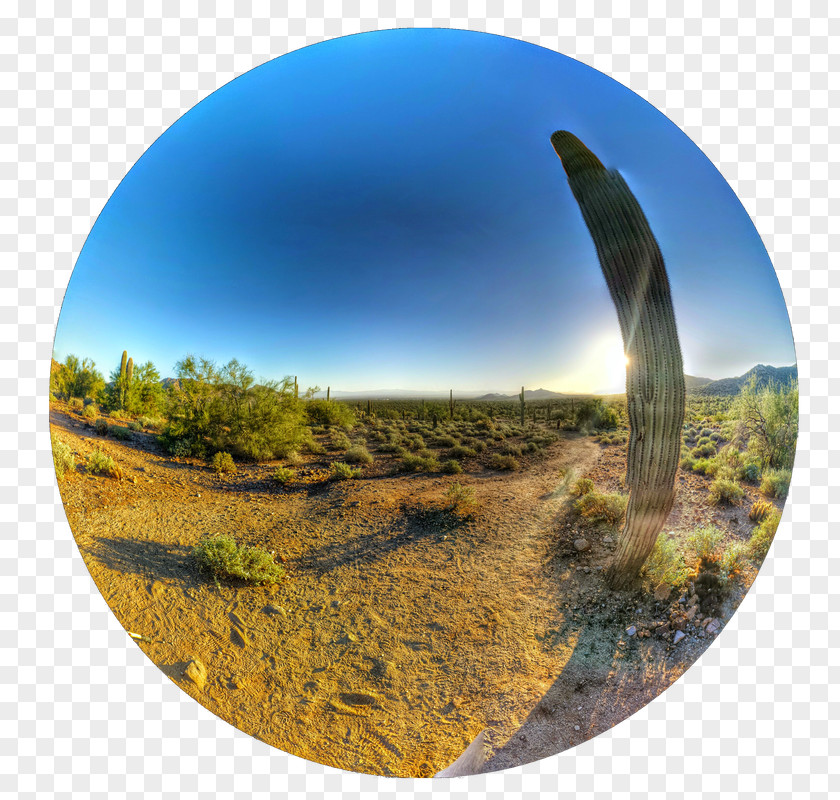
423	403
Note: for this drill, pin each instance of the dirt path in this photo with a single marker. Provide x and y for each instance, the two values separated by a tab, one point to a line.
398	632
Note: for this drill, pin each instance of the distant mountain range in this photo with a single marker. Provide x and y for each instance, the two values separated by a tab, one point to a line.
732	386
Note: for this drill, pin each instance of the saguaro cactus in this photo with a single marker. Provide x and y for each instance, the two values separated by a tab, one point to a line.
451	405
123	385
522	407
634	269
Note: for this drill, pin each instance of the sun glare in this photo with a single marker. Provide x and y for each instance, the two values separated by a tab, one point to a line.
601	368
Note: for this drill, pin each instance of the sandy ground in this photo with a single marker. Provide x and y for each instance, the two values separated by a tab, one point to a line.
399	631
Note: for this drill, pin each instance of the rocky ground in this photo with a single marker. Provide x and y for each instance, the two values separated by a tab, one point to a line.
400	630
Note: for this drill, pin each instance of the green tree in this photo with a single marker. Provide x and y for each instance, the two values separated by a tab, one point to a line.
768	417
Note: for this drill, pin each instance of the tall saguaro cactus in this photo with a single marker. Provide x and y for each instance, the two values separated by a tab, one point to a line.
634	269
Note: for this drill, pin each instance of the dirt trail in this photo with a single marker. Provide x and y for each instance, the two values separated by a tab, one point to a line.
398	632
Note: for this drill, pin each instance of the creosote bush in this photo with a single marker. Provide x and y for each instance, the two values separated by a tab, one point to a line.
582	486
451	467
222	463
222	557
500	462
358	454
100	463
725	490
775	483
460	500
705	542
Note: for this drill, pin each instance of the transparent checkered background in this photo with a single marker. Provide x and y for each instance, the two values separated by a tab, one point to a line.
84	713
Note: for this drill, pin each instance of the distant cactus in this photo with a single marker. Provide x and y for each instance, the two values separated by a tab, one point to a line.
451	405
634	269
522	407
328	394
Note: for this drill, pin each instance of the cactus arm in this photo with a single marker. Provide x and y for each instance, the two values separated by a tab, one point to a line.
634	270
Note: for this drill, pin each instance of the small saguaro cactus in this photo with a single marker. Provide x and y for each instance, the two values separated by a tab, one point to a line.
296	387
451	405
328	394
522	407
634	269
125	377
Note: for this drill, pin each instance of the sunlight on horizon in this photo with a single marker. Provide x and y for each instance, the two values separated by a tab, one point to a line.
602	367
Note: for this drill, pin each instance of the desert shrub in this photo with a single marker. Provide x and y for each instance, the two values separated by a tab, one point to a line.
151	423
704	543
704	450
532	447
222	463
762	537
63	459
733	559
76	403
608	507
222	557
451	467
749	471
500	462
665	564
182	448
703	440
90	411
703	466
338	440
100	463
283	475
393	445
706	432
414	443
769	417
687	463
511	450
313	446
339	471
134	427
775	483
445	441
119	432
101	427
460	499
294	458
582	486
329	414
461	451
358	454
414	462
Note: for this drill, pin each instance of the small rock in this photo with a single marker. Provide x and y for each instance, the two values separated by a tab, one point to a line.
631	631
608	540
714	627
196	672
577	727
272	609
581	545
678	635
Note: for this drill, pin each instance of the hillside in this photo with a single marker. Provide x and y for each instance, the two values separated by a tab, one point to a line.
732	386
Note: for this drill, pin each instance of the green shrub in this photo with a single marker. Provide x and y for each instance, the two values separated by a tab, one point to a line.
704	451
451	467
222	557
461	451
119	432
133	426
313	446
687	463
511	450
705	542
750	471
100	463
413	462
724	490
734	559
338	440
339	471
762	537
151	423
283	475
358	454
500	462
775	483
582	486
63	458
608	507
445	441
665	564
460	499
222	463
330	414
101	427
90	411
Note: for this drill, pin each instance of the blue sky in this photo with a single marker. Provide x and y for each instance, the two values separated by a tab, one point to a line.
386	211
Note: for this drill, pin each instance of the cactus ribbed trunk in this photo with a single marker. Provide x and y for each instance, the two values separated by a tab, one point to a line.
635	273
522	407
328	394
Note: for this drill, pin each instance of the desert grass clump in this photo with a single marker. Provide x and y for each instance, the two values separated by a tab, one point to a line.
582	486
762	537
606	507
222	463
451	467
724	490
704	450
502	462
460	500
734	559
665	566
704	543
415	462
283	475
100	463
338	440
462	451
760	510
775	483
339	471
63	459
358	454
222	557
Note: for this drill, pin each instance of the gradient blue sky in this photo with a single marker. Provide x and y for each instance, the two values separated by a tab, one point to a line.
386	211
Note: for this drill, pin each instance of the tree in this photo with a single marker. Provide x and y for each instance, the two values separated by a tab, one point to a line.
634	269
768	417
